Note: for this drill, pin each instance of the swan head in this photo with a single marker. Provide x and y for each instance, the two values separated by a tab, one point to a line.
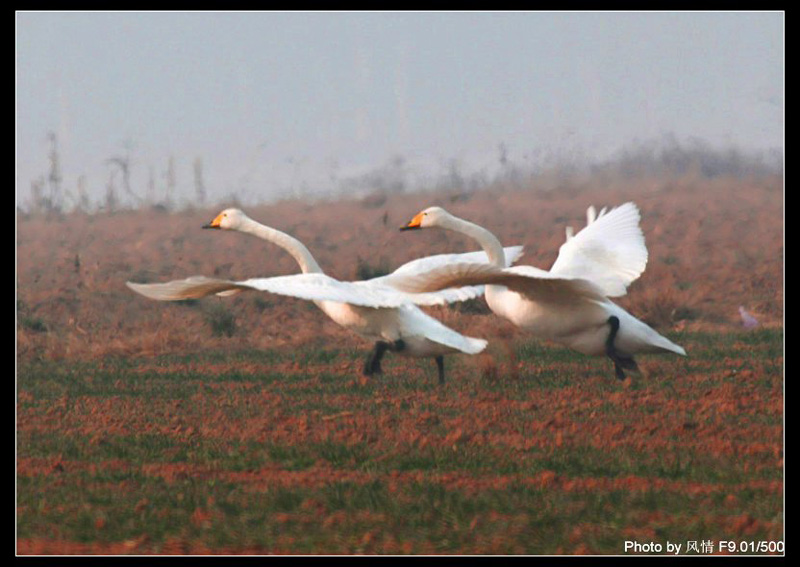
229	219
430	217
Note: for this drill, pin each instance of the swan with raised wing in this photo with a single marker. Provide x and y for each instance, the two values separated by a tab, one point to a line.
373	309
569	304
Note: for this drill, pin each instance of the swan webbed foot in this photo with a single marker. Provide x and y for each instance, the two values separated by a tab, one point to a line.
621	362
440	366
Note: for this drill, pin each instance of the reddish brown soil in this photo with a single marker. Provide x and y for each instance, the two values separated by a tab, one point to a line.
714	245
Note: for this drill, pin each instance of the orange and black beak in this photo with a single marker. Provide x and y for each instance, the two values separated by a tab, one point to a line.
214	223
416	222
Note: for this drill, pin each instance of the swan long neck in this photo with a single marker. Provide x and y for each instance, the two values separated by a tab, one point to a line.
289	243
488	241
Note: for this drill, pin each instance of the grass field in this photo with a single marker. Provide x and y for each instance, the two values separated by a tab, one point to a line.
280	452
242	425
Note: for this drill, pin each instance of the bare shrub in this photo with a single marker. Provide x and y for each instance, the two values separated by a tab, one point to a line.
220	319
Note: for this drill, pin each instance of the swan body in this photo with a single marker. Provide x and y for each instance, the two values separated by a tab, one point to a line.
373	309
568	304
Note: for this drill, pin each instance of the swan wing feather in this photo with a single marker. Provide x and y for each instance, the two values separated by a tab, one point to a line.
190	288
527	280
610	251
319	287
313	287
397	279
421	265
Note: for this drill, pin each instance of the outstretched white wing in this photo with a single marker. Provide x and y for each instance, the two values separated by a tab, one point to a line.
368	293
532	282
314	287
190	288
610	251
421	266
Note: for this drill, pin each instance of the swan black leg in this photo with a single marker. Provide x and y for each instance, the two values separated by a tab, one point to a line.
621	361
440	365
373	363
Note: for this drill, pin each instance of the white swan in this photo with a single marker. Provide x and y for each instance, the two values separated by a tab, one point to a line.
568	304
373	308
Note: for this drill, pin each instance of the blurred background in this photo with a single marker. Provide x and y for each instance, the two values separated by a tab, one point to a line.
120	110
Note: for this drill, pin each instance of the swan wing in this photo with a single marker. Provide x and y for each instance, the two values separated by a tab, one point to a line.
421	266
312	287
319	287
398	284
190	288
527	280
610	251
541	285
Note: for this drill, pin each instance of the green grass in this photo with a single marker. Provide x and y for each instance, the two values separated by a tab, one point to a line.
433	519
245	457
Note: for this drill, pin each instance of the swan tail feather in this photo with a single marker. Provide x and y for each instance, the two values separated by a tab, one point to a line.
474	346
463	343
667	345
415	322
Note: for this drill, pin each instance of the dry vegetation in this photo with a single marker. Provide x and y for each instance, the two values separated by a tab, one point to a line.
714	244
240	425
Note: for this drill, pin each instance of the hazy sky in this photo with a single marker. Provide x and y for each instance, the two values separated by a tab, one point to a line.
274	99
